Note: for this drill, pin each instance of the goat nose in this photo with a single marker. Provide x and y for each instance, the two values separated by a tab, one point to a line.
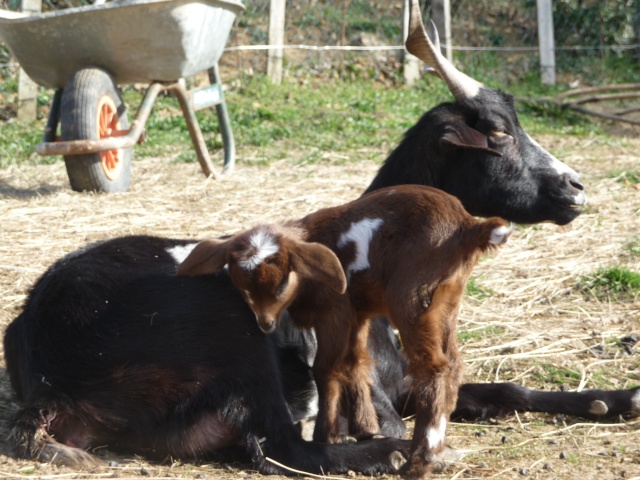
267	325
572	180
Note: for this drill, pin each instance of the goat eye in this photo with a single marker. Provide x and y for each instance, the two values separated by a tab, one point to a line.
282	287
501	134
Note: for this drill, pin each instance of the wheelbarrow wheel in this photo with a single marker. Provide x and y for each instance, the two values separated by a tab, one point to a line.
92	108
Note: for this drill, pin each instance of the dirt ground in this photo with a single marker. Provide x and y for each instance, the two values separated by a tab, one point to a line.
533	325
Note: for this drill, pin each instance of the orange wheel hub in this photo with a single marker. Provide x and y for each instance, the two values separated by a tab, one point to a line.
108	121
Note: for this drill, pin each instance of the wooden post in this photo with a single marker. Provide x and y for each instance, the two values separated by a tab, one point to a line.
636	30
547	43
277	12
27	88
441	14
411	64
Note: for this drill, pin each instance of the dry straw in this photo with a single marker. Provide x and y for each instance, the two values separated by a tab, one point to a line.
533	325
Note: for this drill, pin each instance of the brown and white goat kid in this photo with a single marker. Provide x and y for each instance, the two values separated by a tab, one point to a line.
407	252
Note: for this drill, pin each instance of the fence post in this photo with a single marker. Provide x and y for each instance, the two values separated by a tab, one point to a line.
277	12
411	64
441	14
27	88
546	42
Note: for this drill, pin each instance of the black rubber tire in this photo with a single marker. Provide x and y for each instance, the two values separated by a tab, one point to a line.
79	121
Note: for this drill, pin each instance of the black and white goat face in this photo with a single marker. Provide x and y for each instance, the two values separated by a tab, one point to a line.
494	166
476	149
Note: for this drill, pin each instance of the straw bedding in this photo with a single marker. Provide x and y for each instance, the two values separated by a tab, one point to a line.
531	324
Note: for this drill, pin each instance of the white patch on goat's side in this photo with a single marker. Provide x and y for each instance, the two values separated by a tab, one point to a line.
180	252
361	234
598	407
635	403
499	234
265	246
435	436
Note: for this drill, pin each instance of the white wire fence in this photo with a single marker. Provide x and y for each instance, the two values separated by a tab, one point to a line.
494	40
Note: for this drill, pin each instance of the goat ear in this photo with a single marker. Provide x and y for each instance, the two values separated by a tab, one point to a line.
461	135
314	261
208	256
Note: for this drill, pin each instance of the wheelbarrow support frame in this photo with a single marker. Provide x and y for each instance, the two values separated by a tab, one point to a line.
80	147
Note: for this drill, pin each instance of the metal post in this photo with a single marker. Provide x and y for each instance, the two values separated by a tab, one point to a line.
225	124
27	88
547	43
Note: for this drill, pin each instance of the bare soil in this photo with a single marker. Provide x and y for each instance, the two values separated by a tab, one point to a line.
533	325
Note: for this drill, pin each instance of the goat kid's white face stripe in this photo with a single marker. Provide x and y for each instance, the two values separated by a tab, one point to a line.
180	252
265	246
435	436
361	234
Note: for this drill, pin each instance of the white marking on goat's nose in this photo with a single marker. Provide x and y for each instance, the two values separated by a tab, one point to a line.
265	246
436	435
563	169
360	234
181	252
499	234
580	198
556	164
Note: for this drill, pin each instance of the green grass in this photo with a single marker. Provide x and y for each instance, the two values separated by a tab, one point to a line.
477	291
346	117
616	283
476	334
632	247
552	374
625	176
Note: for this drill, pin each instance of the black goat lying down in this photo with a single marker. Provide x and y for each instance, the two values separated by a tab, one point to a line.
113	349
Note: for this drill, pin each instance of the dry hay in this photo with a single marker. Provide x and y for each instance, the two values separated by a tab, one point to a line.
533	320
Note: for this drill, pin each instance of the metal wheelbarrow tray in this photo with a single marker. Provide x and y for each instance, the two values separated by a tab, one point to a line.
86	52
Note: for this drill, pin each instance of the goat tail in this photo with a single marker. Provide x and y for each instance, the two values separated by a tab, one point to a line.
29	439
494	232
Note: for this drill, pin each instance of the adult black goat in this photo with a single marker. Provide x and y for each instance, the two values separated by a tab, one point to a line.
93	356
476	150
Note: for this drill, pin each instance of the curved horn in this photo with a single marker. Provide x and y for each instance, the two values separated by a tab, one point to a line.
419	44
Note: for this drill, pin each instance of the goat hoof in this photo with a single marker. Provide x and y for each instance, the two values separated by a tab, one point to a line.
450	455
438	466
422	466
598	407
397	460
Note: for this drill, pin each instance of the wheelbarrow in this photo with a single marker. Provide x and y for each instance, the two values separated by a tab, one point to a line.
85	53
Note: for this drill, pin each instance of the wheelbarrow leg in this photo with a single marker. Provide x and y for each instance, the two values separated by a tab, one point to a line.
225	125
194	130
54	118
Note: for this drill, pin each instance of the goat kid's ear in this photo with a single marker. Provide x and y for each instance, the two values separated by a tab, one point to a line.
208	256
314	261
459	134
